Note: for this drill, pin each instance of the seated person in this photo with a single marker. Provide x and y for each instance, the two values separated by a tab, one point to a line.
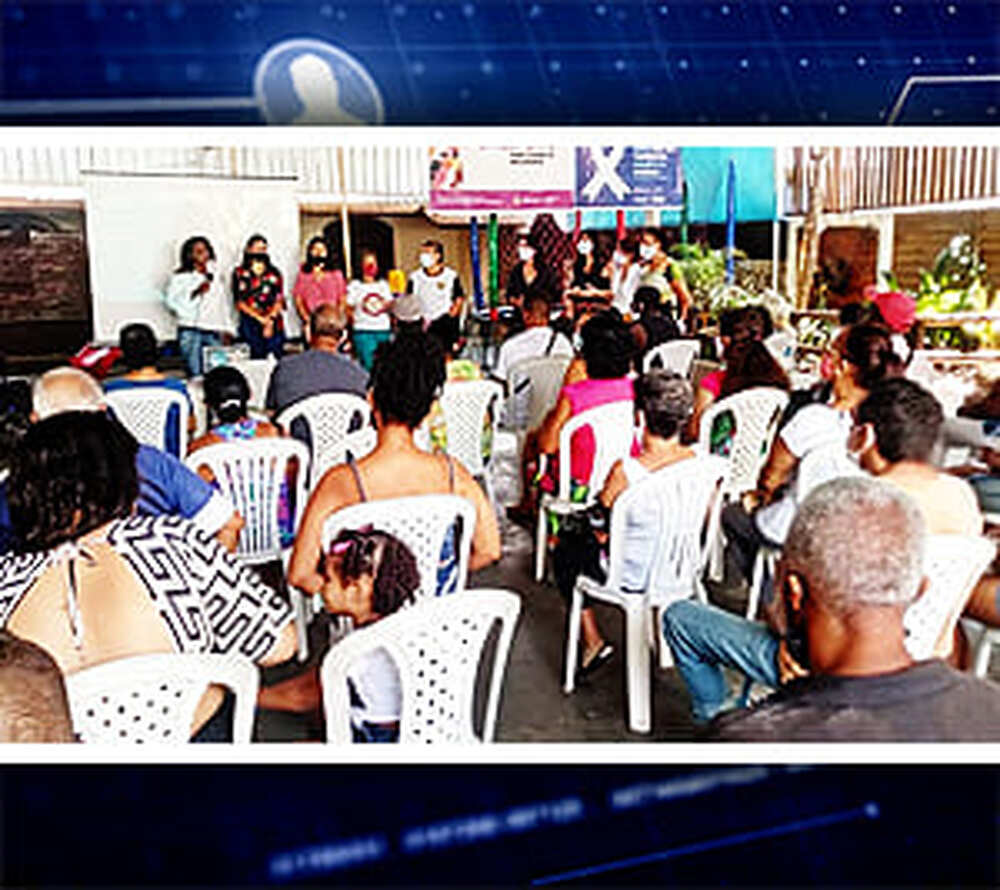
406	376
897	426
536	340
166	486
841	652
33	703
227	394
748	362
655	323
864	358
663	399
607	351
370	575
323	368
139	354
86	587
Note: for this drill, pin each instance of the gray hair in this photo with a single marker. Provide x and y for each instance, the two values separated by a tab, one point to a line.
66	389
860	542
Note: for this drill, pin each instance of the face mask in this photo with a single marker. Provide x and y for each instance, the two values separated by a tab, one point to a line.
370	269
427	260
250	258
526	253
618	258
316	260
584	248
647	251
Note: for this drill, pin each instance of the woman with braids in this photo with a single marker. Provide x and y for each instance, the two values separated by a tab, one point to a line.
94	582
370	574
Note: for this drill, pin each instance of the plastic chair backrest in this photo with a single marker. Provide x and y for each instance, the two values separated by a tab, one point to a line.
419	521
953	565
544	375
613	426
674	355
329	418
251	473
258	374
144	413
465	405
756	413
152	698
674	504
821	465
437	646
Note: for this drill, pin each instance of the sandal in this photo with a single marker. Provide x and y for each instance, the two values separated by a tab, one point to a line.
596	661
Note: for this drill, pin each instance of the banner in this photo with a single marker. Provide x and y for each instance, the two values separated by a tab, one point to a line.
488	179
618	176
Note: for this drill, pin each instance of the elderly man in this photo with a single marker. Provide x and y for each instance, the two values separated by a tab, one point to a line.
166	486
852	565
322	368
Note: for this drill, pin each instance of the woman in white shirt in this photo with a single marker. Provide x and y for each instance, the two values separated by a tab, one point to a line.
198	300
369	307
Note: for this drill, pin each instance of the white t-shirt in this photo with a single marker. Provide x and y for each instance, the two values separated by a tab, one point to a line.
812	427
372	305
624	284
210	311
530	343
435	293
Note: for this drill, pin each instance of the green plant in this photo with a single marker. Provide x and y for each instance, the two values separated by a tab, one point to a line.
703	268
957	282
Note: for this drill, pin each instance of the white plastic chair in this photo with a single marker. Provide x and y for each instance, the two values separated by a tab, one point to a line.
677	499
540	378
419	521
953	565
465	405
982	639
251	474
756	413
144	412
674	355
613	426
258	375
152	698
328	418
437	646
820	465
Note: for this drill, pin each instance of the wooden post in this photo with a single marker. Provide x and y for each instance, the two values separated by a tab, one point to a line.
345	226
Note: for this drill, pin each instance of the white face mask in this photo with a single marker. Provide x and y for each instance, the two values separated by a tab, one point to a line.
427	260
584	248
526	253
647	251
618	258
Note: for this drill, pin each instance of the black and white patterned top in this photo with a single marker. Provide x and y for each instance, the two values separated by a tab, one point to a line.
208	600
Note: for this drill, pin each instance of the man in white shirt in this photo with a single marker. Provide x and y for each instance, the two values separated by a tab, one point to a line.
537	339
437	288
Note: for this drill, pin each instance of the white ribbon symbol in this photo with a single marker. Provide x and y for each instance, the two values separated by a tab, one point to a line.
605	174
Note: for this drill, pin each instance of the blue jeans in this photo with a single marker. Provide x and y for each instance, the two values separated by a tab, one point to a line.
704	639
373	733
252	332
191	341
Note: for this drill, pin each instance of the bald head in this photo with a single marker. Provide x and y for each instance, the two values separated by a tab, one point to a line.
326	325
66	389
859	543
33	703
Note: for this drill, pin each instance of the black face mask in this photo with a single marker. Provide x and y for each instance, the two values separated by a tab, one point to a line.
316	262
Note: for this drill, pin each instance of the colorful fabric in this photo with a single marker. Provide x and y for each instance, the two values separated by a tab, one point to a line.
262	292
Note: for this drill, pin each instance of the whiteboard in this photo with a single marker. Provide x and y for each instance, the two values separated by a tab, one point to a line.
137	223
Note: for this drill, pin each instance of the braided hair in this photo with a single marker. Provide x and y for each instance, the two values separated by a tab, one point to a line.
388	560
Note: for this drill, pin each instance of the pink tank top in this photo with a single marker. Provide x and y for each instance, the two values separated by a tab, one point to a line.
586	394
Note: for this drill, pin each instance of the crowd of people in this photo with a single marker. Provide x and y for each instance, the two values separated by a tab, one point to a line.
115	548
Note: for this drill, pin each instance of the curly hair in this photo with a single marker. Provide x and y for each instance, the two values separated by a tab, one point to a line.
364	551
406	376
187	252
71	473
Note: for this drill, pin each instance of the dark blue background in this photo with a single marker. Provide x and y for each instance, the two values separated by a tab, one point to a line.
551	61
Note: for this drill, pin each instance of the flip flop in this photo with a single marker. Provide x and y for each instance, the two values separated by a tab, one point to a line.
604	655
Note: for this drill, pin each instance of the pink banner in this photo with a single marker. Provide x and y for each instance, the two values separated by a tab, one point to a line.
501	200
